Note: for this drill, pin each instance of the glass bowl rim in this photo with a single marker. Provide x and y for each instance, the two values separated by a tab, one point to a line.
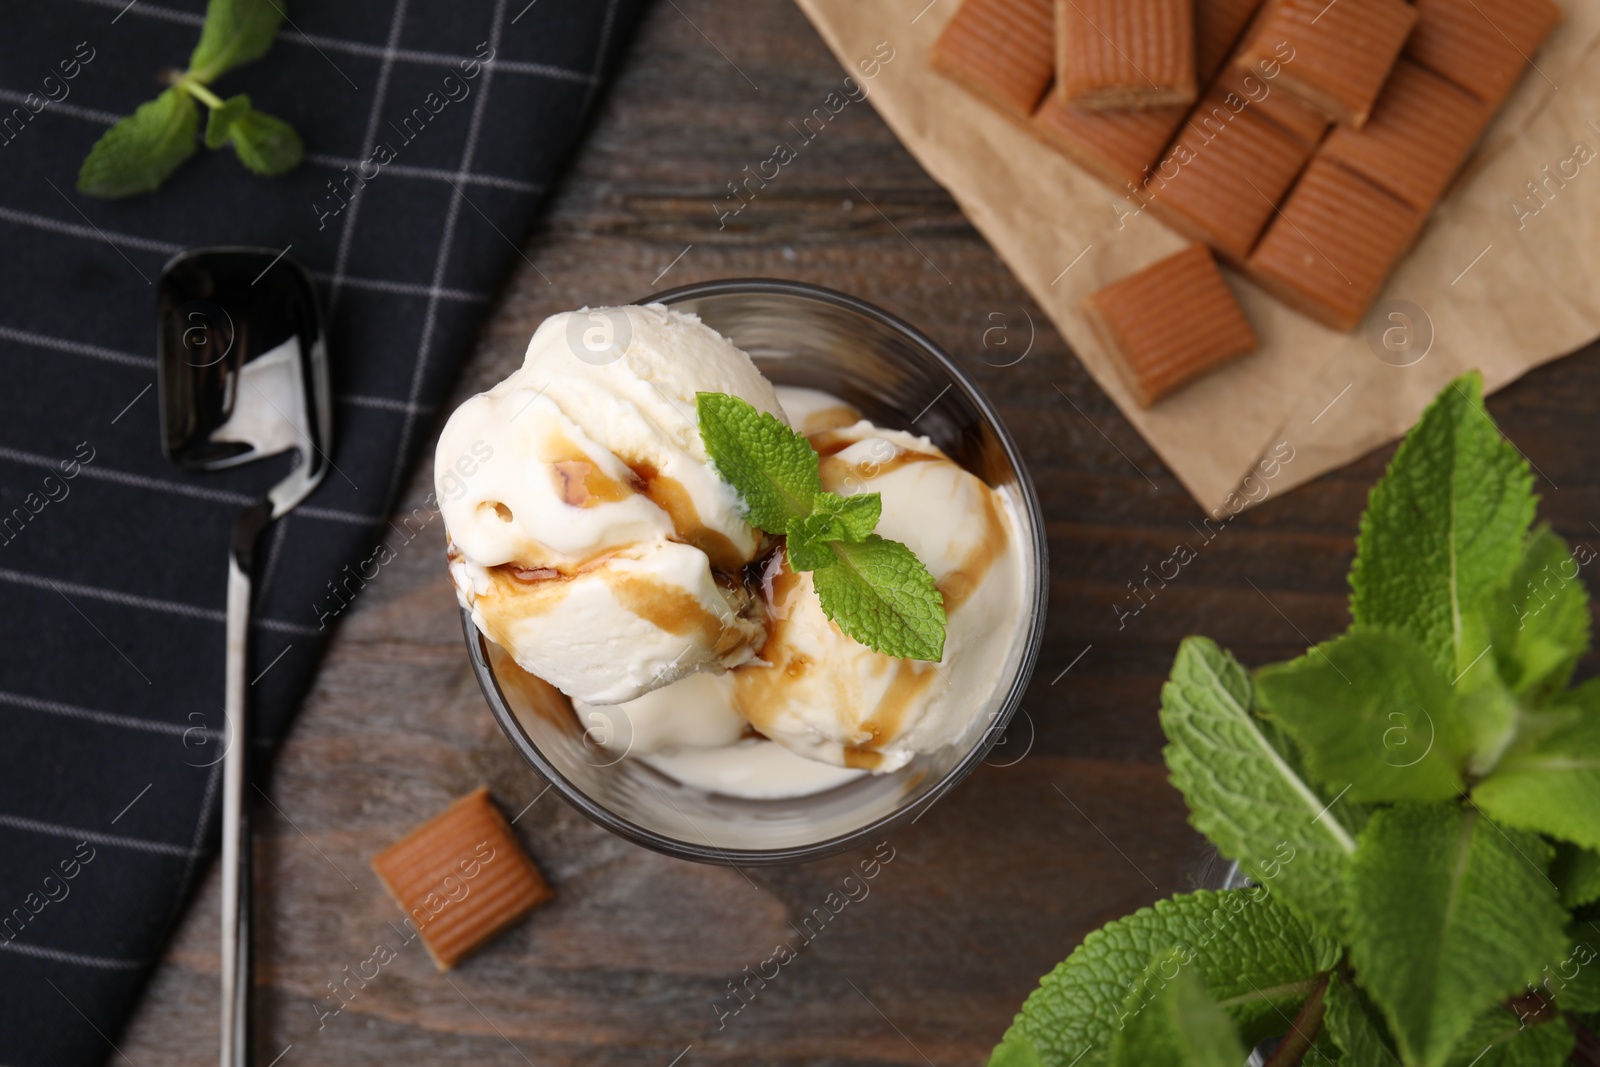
477	647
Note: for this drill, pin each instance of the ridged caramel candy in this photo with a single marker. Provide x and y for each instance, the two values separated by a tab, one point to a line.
1118	147
1225	175
1002	50
1125	53
1170	323
462	877
1334	56
1418	136
1334	244
1481	45
1259	86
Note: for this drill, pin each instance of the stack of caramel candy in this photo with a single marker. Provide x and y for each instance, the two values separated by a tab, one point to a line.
1303	142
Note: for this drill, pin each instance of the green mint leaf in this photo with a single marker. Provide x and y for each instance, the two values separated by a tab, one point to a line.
139	152
1370	712
1576	872
220	120
1448	915
1251	954
850	518
839	518
1539	625
235	32
1354	1028
1551	785
1499	1039
807	550
879	593
1574	983
1244	793
1488	715
1180	1026
836	518
1015	1052
266	145
770	466
1445	525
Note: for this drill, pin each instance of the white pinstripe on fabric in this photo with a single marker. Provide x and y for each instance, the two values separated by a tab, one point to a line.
56	955
73	833
77	348
404	170
147	603
160	485
202	823
105	718
111	355
369	142
146	244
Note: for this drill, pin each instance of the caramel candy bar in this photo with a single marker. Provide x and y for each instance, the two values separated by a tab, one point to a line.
1225	175
1419	134
461	878
1481	45
1170	323
1002	50
1258	86
1333	246
1118	147
1334	56
1217	27
1125	53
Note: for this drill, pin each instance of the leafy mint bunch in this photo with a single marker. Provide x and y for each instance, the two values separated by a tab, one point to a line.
141	151
1417	802
874	589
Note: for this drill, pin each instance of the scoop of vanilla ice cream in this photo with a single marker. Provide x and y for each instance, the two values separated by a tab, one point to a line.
588	534
823	695
689	731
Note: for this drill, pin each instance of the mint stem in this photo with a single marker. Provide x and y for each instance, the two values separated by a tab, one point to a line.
199	92
1303	1031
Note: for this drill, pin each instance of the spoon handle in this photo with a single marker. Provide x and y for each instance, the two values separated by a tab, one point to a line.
236	963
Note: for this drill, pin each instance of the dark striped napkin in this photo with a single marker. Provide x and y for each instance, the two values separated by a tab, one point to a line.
433	128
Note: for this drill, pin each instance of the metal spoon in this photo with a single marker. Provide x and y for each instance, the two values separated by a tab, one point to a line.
244	375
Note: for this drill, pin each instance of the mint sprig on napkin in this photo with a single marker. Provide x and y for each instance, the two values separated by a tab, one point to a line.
875	590
141	151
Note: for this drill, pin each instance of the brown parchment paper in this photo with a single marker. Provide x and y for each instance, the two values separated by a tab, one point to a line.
1501	289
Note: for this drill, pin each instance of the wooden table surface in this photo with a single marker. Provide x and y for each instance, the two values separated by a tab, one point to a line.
1005	875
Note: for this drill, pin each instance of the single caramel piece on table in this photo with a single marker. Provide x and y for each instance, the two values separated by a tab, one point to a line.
1170	323
1001	50
1481	45
1257	86
1125	53
1418	136
1117	147
1334	244
461	877
1334	56
1225	175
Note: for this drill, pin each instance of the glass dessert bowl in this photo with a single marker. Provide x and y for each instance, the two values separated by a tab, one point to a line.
742	799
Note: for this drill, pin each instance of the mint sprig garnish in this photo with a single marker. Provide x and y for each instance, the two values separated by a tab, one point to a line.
1421	793
875	590
142	150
